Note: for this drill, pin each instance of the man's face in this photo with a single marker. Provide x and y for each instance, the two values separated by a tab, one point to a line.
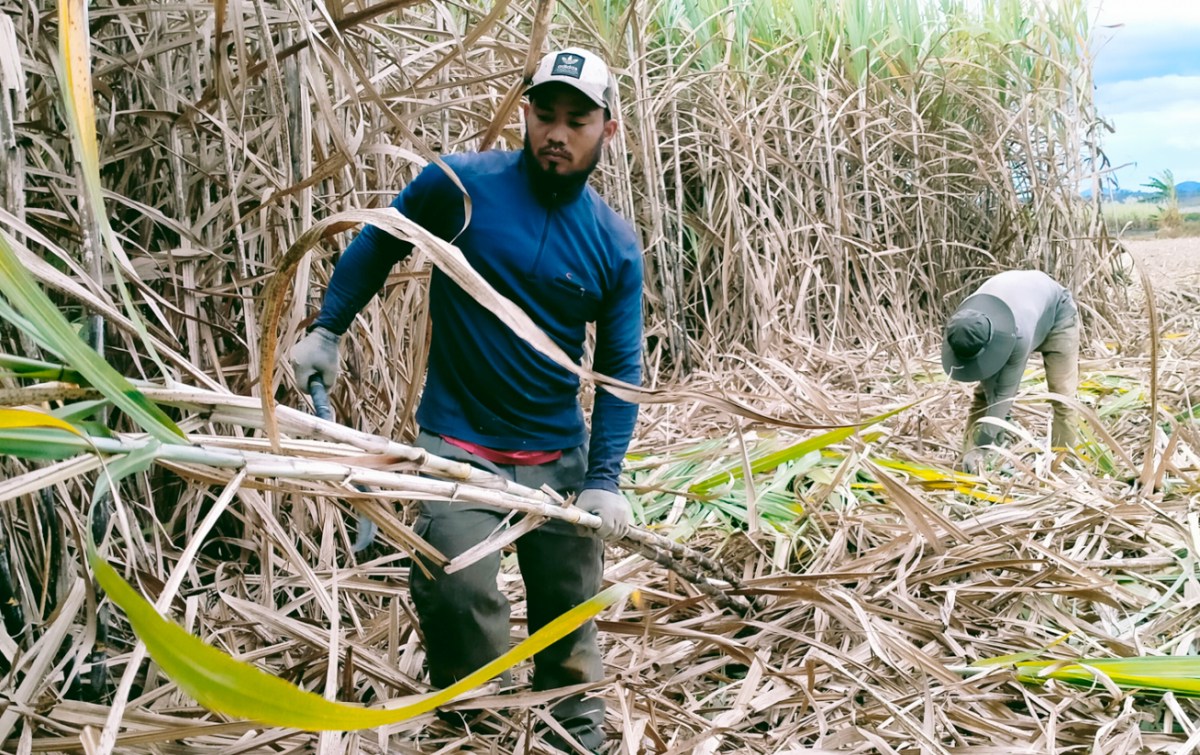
565	131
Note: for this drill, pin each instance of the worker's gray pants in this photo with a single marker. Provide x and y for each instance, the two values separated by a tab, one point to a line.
464	616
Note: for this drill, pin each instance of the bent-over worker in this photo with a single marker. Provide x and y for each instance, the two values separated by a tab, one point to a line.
989	339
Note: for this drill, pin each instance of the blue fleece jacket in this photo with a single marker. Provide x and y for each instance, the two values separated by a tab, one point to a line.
565	262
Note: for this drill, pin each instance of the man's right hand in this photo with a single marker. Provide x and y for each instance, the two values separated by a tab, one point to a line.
612	508
316	354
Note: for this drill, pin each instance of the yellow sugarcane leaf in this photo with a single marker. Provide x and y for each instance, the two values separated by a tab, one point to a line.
74	42
224	684
976	493
75	77
934	478
23	418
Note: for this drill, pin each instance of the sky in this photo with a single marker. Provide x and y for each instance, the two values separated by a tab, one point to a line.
1147	74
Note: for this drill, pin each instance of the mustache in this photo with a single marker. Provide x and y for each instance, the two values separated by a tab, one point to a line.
554	152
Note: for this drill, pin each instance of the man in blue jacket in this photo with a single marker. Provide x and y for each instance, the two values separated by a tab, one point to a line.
546	240
990	338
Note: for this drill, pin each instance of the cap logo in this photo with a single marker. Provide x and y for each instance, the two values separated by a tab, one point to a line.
568	64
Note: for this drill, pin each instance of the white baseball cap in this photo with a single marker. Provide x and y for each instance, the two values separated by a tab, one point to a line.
578	68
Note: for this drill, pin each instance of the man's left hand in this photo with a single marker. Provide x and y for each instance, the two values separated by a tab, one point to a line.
612	508
973	462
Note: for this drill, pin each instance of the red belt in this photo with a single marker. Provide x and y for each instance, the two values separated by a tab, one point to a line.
518	458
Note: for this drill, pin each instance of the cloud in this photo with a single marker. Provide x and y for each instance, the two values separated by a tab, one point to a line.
1147	73
1141	51
1154	93
1136	39
1155	130
1148	12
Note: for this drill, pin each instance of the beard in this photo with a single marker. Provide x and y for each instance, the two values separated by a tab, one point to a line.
550	186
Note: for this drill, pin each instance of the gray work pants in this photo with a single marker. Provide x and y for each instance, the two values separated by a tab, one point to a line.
1060	357
464	616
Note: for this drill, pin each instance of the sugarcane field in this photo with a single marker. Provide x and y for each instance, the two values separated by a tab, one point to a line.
403	376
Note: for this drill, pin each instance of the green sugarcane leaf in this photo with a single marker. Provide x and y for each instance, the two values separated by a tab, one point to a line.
789	454
24	294
95	429
36	369
1152	674
42	443
80	411
1147	674
137	460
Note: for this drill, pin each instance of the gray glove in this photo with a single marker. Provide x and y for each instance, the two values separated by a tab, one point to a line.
316	354
612	508
974	461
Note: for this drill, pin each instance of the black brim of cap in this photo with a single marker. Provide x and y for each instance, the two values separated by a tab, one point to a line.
992	356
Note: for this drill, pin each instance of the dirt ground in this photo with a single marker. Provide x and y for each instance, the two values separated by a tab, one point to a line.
1171	263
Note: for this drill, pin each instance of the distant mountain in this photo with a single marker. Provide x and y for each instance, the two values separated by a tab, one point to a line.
1186	190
